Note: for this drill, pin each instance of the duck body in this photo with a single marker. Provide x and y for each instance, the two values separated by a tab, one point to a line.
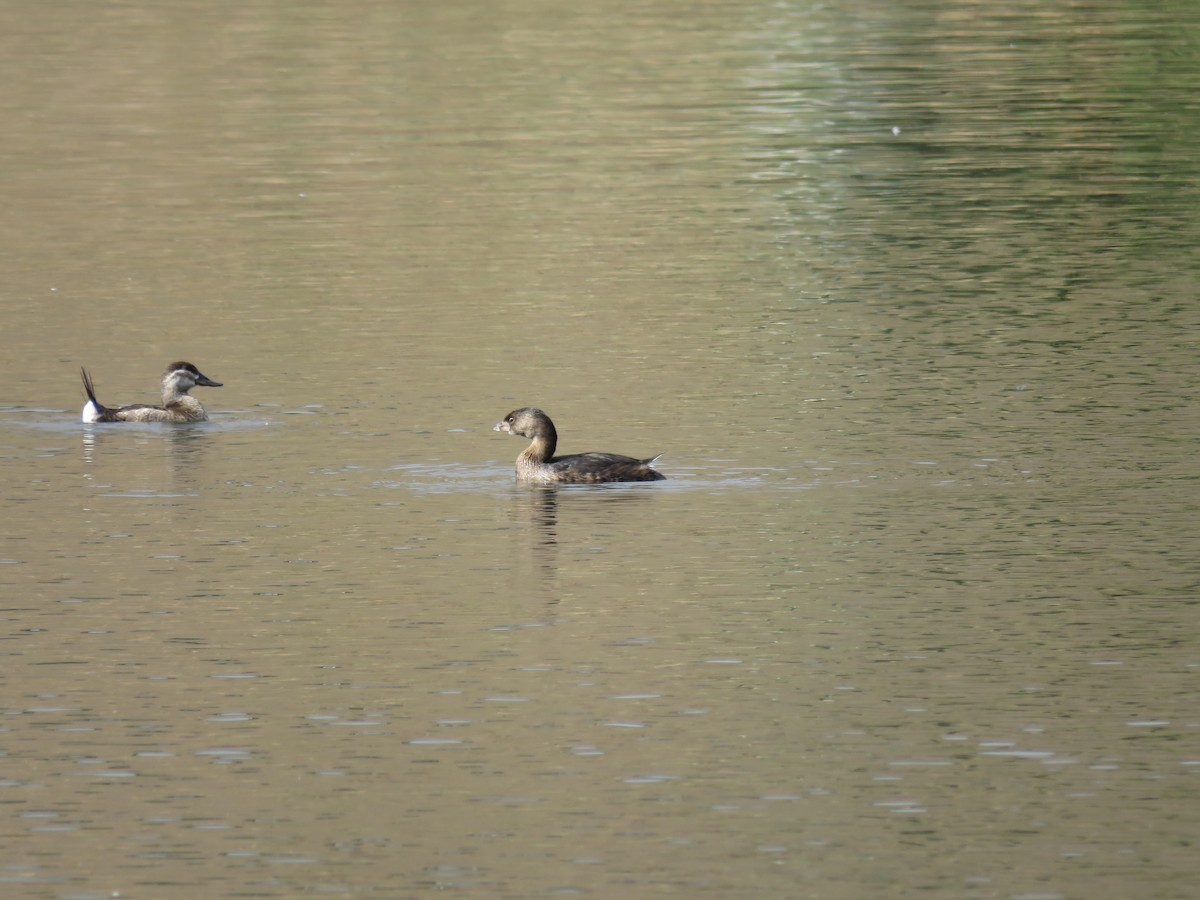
179	407
537	464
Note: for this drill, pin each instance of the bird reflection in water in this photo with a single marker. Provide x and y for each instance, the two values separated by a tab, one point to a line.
181	448
545	511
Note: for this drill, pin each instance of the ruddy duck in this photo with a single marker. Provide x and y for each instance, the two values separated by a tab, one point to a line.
539	465
178	407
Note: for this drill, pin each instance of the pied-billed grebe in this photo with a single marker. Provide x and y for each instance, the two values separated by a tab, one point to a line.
178	406
539	464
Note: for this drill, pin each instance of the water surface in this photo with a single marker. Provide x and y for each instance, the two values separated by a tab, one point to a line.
905	295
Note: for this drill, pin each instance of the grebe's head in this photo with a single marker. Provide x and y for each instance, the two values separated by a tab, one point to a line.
528	422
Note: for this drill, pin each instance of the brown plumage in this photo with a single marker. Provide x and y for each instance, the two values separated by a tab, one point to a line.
178	406
538	463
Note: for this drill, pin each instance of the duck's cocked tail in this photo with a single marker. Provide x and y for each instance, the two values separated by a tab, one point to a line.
93	410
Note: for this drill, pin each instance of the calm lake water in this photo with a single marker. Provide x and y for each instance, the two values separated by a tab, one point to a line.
905	293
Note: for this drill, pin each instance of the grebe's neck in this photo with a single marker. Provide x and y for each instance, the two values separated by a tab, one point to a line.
545	440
